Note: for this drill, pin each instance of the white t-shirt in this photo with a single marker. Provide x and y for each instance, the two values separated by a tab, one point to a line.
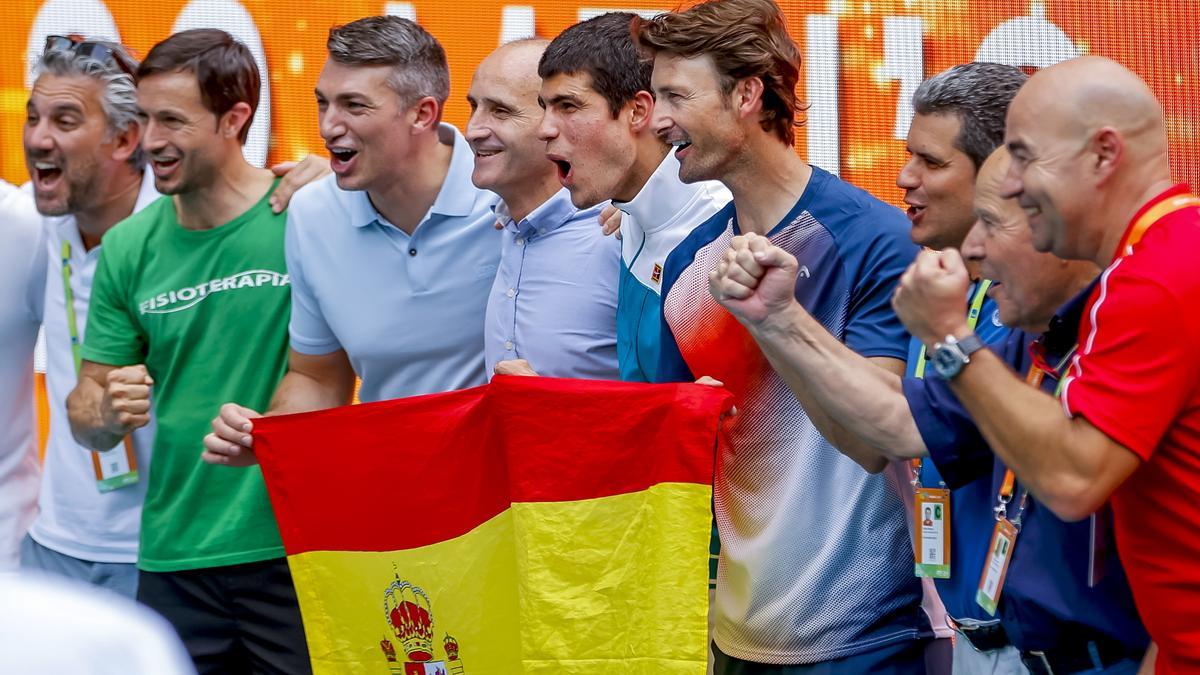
74	517
22	278
58	625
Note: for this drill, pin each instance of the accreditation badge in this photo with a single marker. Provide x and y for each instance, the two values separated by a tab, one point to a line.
991	582
115	468
931	532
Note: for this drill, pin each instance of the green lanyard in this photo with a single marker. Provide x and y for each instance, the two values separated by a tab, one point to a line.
117	476
69	296
972	320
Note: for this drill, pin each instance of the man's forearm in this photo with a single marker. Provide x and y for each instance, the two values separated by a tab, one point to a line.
298	392
860	405
87	421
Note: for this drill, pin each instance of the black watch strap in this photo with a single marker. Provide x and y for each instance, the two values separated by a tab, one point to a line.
970	343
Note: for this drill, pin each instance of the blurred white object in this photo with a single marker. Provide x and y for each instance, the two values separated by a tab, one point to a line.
57	625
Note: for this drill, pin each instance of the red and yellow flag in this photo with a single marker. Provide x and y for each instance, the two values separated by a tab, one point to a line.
531	526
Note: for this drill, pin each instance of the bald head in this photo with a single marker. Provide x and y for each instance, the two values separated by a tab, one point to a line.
1089	146
1078	97
1029	287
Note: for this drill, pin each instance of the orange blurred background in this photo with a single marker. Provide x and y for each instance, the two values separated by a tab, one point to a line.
863	58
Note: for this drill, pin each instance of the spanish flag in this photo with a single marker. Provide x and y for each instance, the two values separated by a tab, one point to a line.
532	525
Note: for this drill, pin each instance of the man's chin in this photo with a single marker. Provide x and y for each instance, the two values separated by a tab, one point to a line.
51	206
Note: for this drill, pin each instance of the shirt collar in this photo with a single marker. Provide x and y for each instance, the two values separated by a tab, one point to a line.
451	201
1063	332
547	217
661	197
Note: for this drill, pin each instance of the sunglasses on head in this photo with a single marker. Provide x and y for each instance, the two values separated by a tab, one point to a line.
87	49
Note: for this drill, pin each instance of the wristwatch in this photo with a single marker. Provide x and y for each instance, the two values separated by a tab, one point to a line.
950	355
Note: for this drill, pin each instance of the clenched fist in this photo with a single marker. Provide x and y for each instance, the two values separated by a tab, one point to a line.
126	402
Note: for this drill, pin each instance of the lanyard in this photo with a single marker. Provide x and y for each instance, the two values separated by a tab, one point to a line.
1152	215
69	295
974	308
1037	373
110	475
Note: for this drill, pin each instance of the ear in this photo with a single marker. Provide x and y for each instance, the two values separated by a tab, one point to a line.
126	143
1107	147
231	123
426	114
641	111
747	98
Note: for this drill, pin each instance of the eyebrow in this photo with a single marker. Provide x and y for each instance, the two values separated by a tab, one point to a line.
563	98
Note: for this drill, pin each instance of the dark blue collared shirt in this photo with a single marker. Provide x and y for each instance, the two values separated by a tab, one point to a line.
1046	600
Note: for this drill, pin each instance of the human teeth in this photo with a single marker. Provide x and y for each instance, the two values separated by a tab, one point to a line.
680	142
45	166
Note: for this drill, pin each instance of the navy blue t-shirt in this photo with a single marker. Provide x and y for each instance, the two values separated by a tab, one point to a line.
1046	600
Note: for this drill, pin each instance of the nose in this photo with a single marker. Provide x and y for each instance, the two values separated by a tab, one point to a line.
660	122
152	138
1012	186
974	248
329	123
476	129
38	136
547	129
909	178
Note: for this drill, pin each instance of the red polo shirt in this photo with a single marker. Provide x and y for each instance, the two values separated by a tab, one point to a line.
1137	379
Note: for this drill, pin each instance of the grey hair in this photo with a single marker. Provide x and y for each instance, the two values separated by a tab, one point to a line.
119	100
978	94
418	62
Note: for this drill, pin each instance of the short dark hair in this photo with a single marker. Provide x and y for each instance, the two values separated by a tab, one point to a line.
418	62
603	48
223	66
978	94
744	38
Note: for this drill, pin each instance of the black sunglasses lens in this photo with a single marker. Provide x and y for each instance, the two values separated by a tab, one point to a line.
58	43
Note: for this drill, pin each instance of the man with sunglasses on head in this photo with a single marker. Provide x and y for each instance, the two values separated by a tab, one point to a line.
189	308
82	148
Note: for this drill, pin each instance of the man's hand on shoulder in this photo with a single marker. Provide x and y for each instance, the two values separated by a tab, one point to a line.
295	176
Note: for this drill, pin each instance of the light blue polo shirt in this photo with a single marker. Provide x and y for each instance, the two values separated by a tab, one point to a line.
408	310
554	301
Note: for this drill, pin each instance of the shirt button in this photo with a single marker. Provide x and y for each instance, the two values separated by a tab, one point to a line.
511	293
520	241
412	251
508	345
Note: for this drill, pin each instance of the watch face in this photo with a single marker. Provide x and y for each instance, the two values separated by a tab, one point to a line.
946	361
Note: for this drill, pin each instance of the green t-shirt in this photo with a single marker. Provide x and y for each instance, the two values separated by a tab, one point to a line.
207	312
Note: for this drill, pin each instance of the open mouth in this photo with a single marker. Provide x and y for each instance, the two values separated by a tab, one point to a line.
914	212
564	170
164	165
487	153
47	174
681	144
341	158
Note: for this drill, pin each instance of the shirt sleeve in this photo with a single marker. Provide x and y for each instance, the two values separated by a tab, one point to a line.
308	330
113	336
955	445
1139	363
872	327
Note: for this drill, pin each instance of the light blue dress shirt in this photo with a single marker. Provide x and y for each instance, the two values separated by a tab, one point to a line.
554	301
408	310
